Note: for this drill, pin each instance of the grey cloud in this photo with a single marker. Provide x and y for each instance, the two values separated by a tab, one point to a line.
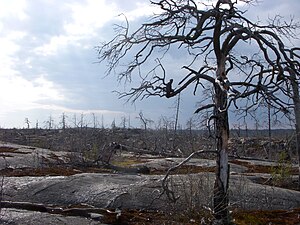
126	5
47	18
268	9
74	72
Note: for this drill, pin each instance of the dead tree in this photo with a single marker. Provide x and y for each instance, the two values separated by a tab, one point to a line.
144	121
27	123
209	36
177	103
63	121
292	80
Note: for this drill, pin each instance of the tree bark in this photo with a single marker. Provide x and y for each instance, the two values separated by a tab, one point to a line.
221	211
296	100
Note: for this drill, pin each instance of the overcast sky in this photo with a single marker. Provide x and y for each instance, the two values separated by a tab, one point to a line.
47	60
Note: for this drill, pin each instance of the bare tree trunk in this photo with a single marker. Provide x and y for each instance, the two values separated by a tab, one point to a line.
269	123
297	115
296	100
222	174
177	113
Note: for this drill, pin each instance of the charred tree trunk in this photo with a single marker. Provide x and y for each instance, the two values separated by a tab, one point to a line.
222	134
221	86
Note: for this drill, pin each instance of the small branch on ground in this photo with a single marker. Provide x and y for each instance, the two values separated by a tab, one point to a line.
170	194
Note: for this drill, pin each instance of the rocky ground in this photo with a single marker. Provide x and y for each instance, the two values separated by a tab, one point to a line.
42	186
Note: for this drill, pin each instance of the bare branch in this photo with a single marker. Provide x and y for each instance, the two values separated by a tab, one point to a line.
204	107
167	190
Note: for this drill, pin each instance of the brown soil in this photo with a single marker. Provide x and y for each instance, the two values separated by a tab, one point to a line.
259	217
68	171
254	217
142	217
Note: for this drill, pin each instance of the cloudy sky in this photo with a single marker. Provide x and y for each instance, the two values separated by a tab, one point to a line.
47	60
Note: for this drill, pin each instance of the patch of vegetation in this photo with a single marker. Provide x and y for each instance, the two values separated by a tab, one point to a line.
50	171
186	169
127	162
251	168
92	153
5	149
260	217
283	171
5	155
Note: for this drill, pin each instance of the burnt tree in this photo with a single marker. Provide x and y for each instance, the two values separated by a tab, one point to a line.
213	37
292	90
